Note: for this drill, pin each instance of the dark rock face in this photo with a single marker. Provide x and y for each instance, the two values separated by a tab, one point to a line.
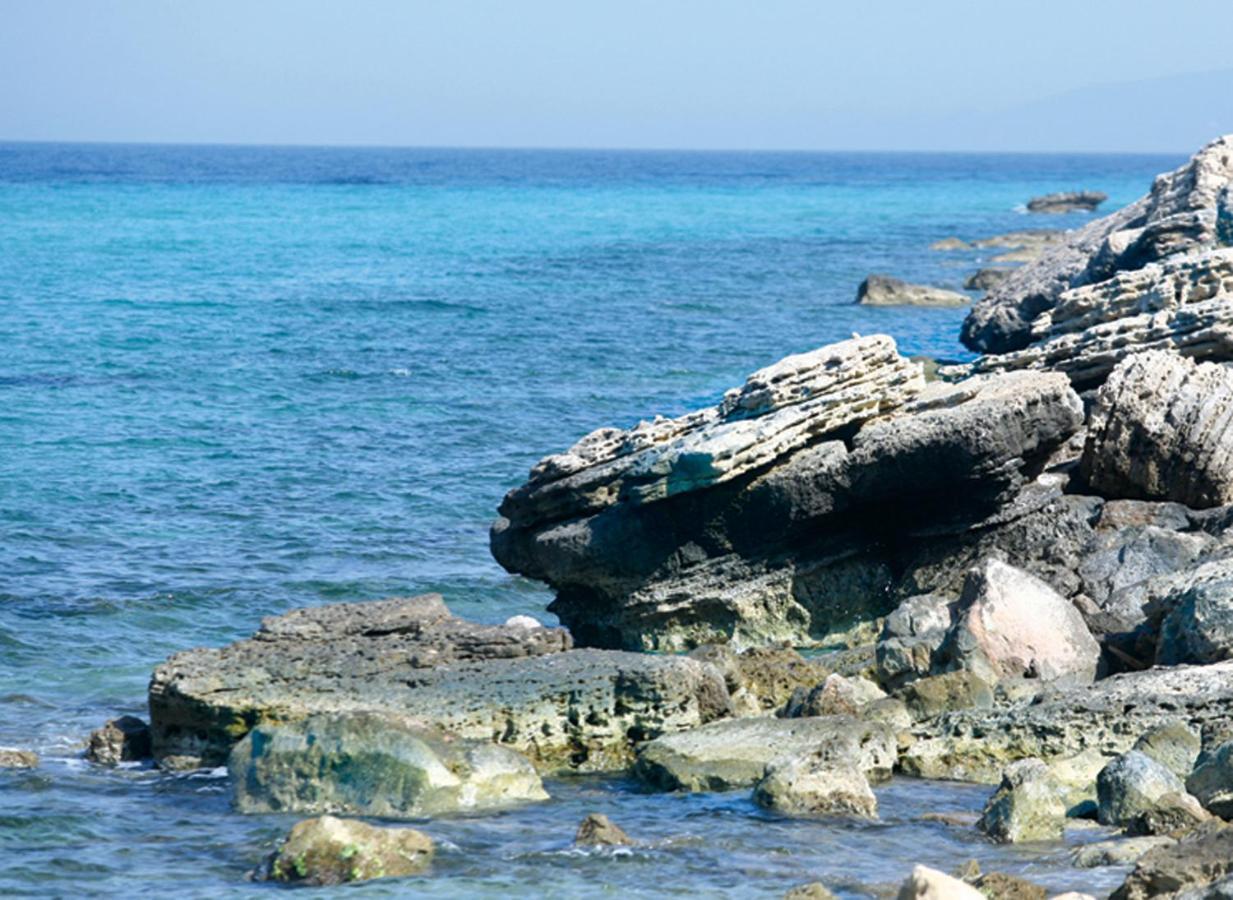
778	544
1067	201
1181	213
565	709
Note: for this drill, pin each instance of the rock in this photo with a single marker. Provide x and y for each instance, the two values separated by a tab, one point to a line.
1026	807
1000	886
1156	432
18	759
1107	718
1200	859
950	243
329	851
930	884
928	697
814	784
1120	852
1211	781
836	696
786	537
1179	215
985	279
126	739
1132	784
1067	201
523	622
735	753
375	765
882	290
911	638
1180	304
1197	626
1075	777
1173	744
1013	624
579	710
761	679
1172	815
597	830
815	890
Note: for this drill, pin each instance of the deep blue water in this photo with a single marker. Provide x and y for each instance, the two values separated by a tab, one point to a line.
239	380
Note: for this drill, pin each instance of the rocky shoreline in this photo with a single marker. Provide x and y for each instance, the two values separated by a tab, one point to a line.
1019	574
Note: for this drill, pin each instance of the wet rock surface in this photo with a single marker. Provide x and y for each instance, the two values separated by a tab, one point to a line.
328	851
125	739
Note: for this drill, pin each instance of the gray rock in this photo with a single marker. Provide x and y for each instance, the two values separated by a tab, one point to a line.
597	830
882	290
375	765
328	851
836	696
1174	744
1211	782
1027	806
1119	852
812	784
911	637
1156	432
1203	858
581	710
1172	815
1179	215
1198	624
1132	784
735	753
932	696
126	739
1014	625
985	279
1067	201
1107	717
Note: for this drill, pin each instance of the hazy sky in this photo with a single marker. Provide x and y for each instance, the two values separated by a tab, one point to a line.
895	74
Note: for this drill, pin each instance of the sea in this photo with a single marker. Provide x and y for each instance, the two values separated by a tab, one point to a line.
238	380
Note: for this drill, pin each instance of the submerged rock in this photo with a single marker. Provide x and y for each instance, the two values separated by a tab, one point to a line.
735	753
1157	432
329	851
816	784
1182	213
375	765
1026	807
1067	201
126	739
580	710
882	290
597	830
18	759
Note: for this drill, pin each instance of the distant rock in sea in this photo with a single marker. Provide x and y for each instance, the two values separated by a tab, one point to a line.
1067	201
882	290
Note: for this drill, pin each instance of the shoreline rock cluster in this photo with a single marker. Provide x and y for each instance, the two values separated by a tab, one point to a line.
1021	575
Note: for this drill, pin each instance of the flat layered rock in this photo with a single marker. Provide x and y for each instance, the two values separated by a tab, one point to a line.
1185	211
1107	717
568	710
1067	201
882	290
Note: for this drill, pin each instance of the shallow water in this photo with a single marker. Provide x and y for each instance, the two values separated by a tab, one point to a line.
239	380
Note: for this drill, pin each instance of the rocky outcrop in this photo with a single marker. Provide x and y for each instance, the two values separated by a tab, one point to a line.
1027	806
799	533
372	764
882	290
1158	432
735	753
1015	625
1131	785
566	710
1185	211
125	739
1181	304
1067	201
328	851
1107	718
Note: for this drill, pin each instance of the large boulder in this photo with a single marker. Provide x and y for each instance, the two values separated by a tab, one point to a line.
1157	432
1184	212
1131	785
782	513
1105	718
1197	607
814	784
735	753
1015	625
1027	806
575	710
1067	201
327	851
882	290
375	764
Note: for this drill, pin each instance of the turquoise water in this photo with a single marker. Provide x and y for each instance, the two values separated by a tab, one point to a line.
239	380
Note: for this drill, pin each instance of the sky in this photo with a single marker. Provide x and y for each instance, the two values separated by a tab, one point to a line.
709	74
